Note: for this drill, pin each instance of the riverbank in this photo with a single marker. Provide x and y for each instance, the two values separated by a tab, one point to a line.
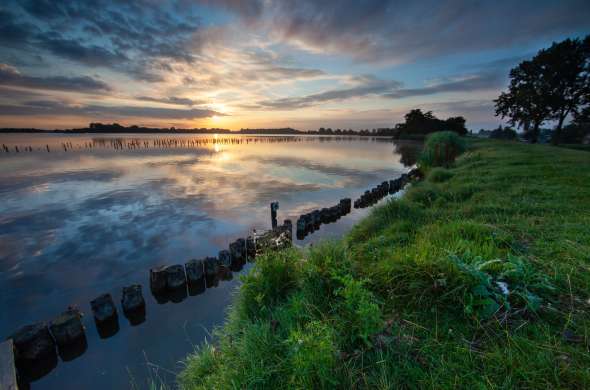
477	278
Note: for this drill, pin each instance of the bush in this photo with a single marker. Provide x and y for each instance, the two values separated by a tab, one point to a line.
441	149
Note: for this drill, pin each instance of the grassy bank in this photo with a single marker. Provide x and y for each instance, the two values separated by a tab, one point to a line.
478	278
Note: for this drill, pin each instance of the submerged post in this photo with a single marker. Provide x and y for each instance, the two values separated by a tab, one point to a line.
274	206
7	368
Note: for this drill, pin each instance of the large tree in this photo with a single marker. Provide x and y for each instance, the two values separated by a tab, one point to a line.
526	103
552	85
565	68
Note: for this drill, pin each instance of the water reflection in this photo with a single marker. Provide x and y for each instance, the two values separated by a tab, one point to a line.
78	223
409	151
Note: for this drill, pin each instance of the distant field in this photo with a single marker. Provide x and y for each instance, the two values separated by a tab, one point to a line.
479	277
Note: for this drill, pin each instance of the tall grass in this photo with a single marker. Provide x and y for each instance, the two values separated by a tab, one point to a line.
477	278
441	149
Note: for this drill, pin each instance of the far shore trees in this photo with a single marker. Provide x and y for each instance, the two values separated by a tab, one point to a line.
551	86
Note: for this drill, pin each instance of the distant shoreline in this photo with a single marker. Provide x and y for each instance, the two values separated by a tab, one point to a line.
139	130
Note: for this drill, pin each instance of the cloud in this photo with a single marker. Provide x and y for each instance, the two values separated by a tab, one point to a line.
466	83
371	86
13	34
367	86
51	108
390	30
172	100
10	76
130	37
75	50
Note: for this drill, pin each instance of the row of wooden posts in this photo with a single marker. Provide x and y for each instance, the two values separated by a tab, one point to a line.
374	195
35	345
310	222
167	143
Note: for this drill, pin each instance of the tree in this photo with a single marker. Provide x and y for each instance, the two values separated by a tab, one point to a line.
565	67
526	101
552	85
422	123
503	133
456	124
579	129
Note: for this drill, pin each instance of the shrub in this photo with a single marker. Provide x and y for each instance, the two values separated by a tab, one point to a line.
441	149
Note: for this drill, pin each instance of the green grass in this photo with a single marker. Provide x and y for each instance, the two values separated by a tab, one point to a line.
412	297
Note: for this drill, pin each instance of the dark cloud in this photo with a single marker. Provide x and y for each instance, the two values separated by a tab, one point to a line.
376	30
75	50
464	84
130	37
49	107
367	86
246	8
13	33
371	86
172	100
10	76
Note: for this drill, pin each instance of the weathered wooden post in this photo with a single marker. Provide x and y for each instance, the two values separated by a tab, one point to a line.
211	271
34	351
68	332
105	316
133	304
195	275
274	206
67	328
158	279
176	283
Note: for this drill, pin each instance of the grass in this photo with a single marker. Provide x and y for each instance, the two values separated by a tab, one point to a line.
478	278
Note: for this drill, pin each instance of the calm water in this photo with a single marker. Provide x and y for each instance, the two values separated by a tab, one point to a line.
96	212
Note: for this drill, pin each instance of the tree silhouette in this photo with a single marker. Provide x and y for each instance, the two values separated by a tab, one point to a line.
566	70
422	123
526	102
552	85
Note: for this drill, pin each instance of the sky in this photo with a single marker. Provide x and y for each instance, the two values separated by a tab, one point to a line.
266	63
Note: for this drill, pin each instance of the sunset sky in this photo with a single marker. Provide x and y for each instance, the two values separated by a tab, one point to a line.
266	63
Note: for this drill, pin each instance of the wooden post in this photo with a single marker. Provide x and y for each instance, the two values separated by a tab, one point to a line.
7	369
274	206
